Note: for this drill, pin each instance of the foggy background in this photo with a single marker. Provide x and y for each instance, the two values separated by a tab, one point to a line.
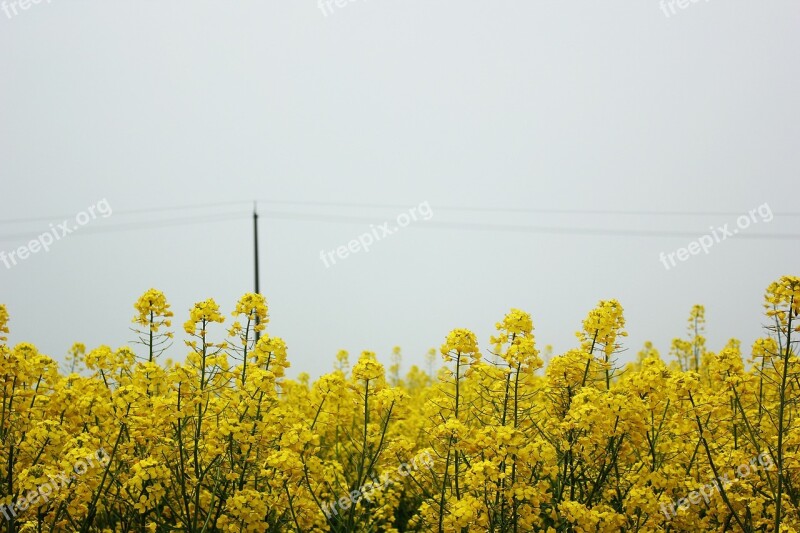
596	118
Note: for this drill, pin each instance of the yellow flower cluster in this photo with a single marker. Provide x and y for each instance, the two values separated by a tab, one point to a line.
783	300
368	369
224	442
203	313
3	322
153	310
602	326
460	343
254	308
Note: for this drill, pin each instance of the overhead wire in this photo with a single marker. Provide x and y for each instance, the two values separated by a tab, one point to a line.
146	224
519	227
429	224
365	205
528	210
123	212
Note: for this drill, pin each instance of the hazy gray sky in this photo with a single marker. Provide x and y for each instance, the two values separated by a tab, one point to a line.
542	105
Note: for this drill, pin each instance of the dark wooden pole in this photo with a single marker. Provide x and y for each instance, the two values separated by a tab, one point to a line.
255	248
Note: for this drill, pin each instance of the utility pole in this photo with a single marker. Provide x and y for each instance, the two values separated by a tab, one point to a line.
255	249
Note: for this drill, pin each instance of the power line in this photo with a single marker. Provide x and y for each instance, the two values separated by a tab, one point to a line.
363	205
429	224
124	212
531	210
154	224
520	228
